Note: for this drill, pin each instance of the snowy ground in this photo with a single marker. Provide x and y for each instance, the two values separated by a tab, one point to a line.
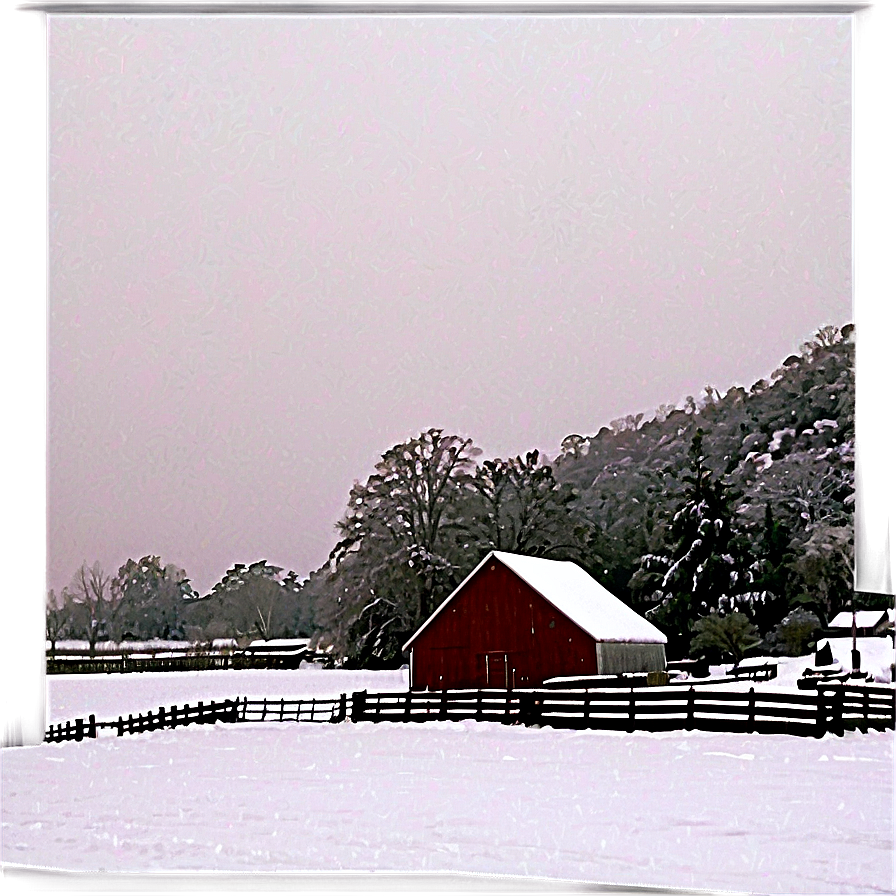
770	813
71	697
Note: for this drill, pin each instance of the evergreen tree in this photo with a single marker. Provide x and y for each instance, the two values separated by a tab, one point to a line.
731	635
697	571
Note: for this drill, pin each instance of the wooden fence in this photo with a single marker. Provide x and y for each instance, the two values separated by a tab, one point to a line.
236	710
833	708
178	662
77	730
81	665
313	710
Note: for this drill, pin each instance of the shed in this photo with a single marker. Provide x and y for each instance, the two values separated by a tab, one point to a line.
868	623
516	621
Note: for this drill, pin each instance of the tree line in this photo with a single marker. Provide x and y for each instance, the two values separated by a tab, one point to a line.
727	522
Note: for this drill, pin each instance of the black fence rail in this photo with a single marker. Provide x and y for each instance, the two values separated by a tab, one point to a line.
201	713
121	663
427	706
77	730
74	665
834	709
154	720
850	707
176	717
313	710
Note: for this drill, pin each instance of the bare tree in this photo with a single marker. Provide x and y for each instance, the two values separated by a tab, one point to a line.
59	612
91	591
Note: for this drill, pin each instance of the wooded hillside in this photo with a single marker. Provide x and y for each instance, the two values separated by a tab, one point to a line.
724	521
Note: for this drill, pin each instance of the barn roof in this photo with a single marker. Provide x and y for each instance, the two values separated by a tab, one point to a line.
577	595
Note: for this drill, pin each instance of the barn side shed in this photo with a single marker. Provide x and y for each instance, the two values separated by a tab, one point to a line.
516	621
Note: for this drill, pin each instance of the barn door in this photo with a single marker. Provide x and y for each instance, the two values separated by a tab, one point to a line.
497	670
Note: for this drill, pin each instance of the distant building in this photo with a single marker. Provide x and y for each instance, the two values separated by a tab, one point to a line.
516	621
869	623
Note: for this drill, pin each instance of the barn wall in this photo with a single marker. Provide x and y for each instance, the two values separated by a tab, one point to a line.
615	657
498	614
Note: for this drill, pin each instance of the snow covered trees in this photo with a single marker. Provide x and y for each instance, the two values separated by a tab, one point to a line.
401	542
254	600
420	523
521	508
150	600
696	570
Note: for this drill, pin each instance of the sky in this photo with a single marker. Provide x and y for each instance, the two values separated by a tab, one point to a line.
280	245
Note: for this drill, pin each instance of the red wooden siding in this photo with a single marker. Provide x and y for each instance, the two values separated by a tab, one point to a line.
498	614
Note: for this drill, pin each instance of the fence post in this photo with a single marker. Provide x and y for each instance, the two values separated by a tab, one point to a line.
173	722
120	726
478	715
751	721
821	716
865	708
690	719
282	707
530	709
91	725
245	707
407	706
359	698
631	710
340	717
79	729
443	705
199	712
837	711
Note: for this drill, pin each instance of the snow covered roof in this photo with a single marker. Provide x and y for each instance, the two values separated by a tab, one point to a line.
575	594
864	619
280	642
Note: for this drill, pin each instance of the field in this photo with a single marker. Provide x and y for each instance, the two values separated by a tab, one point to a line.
769	813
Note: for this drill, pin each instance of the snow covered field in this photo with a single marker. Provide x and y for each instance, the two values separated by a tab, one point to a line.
108	696
770	813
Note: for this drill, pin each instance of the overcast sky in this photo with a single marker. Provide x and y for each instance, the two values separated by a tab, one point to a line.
278	246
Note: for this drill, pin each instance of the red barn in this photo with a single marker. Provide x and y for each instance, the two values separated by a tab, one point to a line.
516	621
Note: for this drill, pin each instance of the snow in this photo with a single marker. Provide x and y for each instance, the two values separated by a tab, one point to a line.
778	437
864	619
109	696
877	654
772	813
281	642
130	646
575	594
757	661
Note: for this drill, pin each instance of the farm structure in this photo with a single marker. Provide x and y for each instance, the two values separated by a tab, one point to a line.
516	621
869	624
